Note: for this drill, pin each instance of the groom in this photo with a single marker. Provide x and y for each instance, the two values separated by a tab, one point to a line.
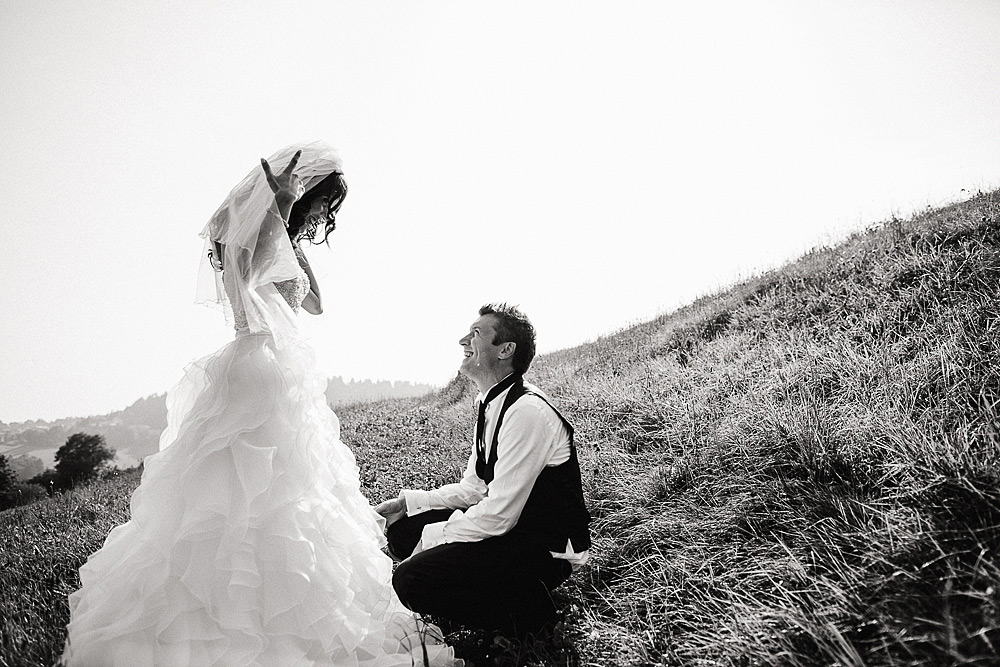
488	550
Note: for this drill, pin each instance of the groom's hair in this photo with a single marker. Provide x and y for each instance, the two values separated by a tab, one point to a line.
513	326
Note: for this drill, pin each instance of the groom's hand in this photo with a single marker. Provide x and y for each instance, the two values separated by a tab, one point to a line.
393	510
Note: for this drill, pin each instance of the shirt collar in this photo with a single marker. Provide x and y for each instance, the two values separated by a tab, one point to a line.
482	395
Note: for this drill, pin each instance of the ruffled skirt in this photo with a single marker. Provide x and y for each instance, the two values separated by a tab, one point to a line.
250	542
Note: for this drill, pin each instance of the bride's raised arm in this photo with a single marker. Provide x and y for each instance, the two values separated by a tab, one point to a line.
286	186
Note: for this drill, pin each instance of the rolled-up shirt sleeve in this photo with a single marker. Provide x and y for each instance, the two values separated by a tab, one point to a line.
529	437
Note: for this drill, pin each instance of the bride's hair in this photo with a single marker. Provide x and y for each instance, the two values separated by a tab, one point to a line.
304	225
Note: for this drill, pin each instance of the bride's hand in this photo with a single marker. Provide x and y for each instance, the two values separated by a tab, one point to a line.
286	186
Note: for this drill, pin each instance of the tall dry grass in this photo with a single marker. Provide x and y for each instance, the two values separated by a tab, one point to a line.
42	547
803	470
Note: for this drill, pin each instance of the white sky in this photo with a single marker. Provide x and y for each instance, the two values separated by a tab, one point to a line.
596	162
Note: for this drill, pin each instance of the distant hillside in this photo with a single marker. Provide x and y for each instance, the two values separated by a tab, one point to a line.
339	392
135	431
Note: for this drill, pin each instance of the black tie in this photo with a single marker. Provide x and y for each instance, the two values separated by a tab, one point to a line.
497	389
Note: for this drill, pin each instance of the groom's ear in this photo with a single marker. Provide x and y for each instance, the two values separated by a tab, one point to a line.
507	350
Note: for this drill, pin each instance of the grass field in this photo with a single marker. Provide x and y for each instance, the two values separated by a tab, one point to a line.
803	469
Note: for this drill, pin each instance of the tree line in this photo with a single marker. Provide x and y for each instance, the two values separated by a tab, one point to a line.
82	459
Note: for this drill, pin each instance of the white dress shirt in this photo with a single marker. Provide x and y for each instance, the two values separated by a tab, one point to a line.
531	438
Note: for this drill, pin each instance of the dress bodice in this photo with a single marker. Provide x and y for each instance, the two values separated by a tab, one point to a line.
293	291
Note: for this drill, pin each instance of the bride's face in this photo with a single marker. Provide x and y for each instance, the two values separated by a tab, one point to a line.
326	206
319	213
319	207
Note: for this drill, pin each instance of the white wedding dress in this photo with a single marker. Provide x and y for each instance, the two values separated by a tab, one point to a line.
250	543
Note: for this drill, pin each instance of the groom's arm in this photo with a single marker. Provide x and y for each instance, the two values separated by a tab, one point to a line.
469	491
410	502
531	438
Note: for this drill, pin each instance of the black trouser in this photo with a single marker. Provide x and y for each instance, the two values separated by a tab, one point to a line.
501	583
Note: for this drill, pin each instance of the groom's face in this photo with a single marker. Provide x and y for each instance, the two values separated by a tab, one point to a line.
482	357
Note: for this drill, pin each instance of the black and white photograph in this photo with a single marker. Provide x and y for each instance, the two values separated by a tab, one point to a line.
396	333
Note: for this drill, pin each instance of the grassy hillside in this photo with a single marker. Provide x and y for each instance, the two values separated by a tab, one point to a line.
41	548
801	470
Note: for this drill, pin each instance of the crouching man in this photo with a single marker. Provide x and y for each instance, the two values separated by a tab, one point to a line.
488	550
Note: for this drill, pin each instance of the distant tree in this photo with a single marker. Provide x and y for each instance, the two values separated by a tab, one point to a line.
47	480
81	459
7	476
13	492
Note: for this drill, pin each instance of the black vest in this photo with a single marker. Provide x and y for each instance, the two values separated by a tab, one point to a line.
555	511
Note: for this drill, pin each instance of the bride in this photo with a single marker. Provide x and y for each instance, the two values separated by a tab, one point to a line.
250	542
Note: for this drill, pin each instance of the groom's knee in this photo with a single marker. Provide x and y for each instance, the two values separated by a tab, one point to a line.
403	535
398	542
407	583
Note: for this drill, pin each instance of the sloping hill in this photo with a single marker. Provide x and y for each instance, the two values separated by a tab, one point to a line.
801	470
804	469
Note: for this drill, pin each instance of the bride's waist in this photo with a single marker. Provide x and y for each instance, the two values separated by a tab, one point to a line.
241	333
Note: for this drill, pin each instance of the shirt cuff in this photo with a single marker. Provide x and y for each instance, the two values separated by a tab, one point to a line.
433	535
417	501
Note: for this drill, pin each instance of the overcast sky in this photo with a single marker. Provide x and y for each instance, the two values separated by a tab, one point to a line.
598	163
